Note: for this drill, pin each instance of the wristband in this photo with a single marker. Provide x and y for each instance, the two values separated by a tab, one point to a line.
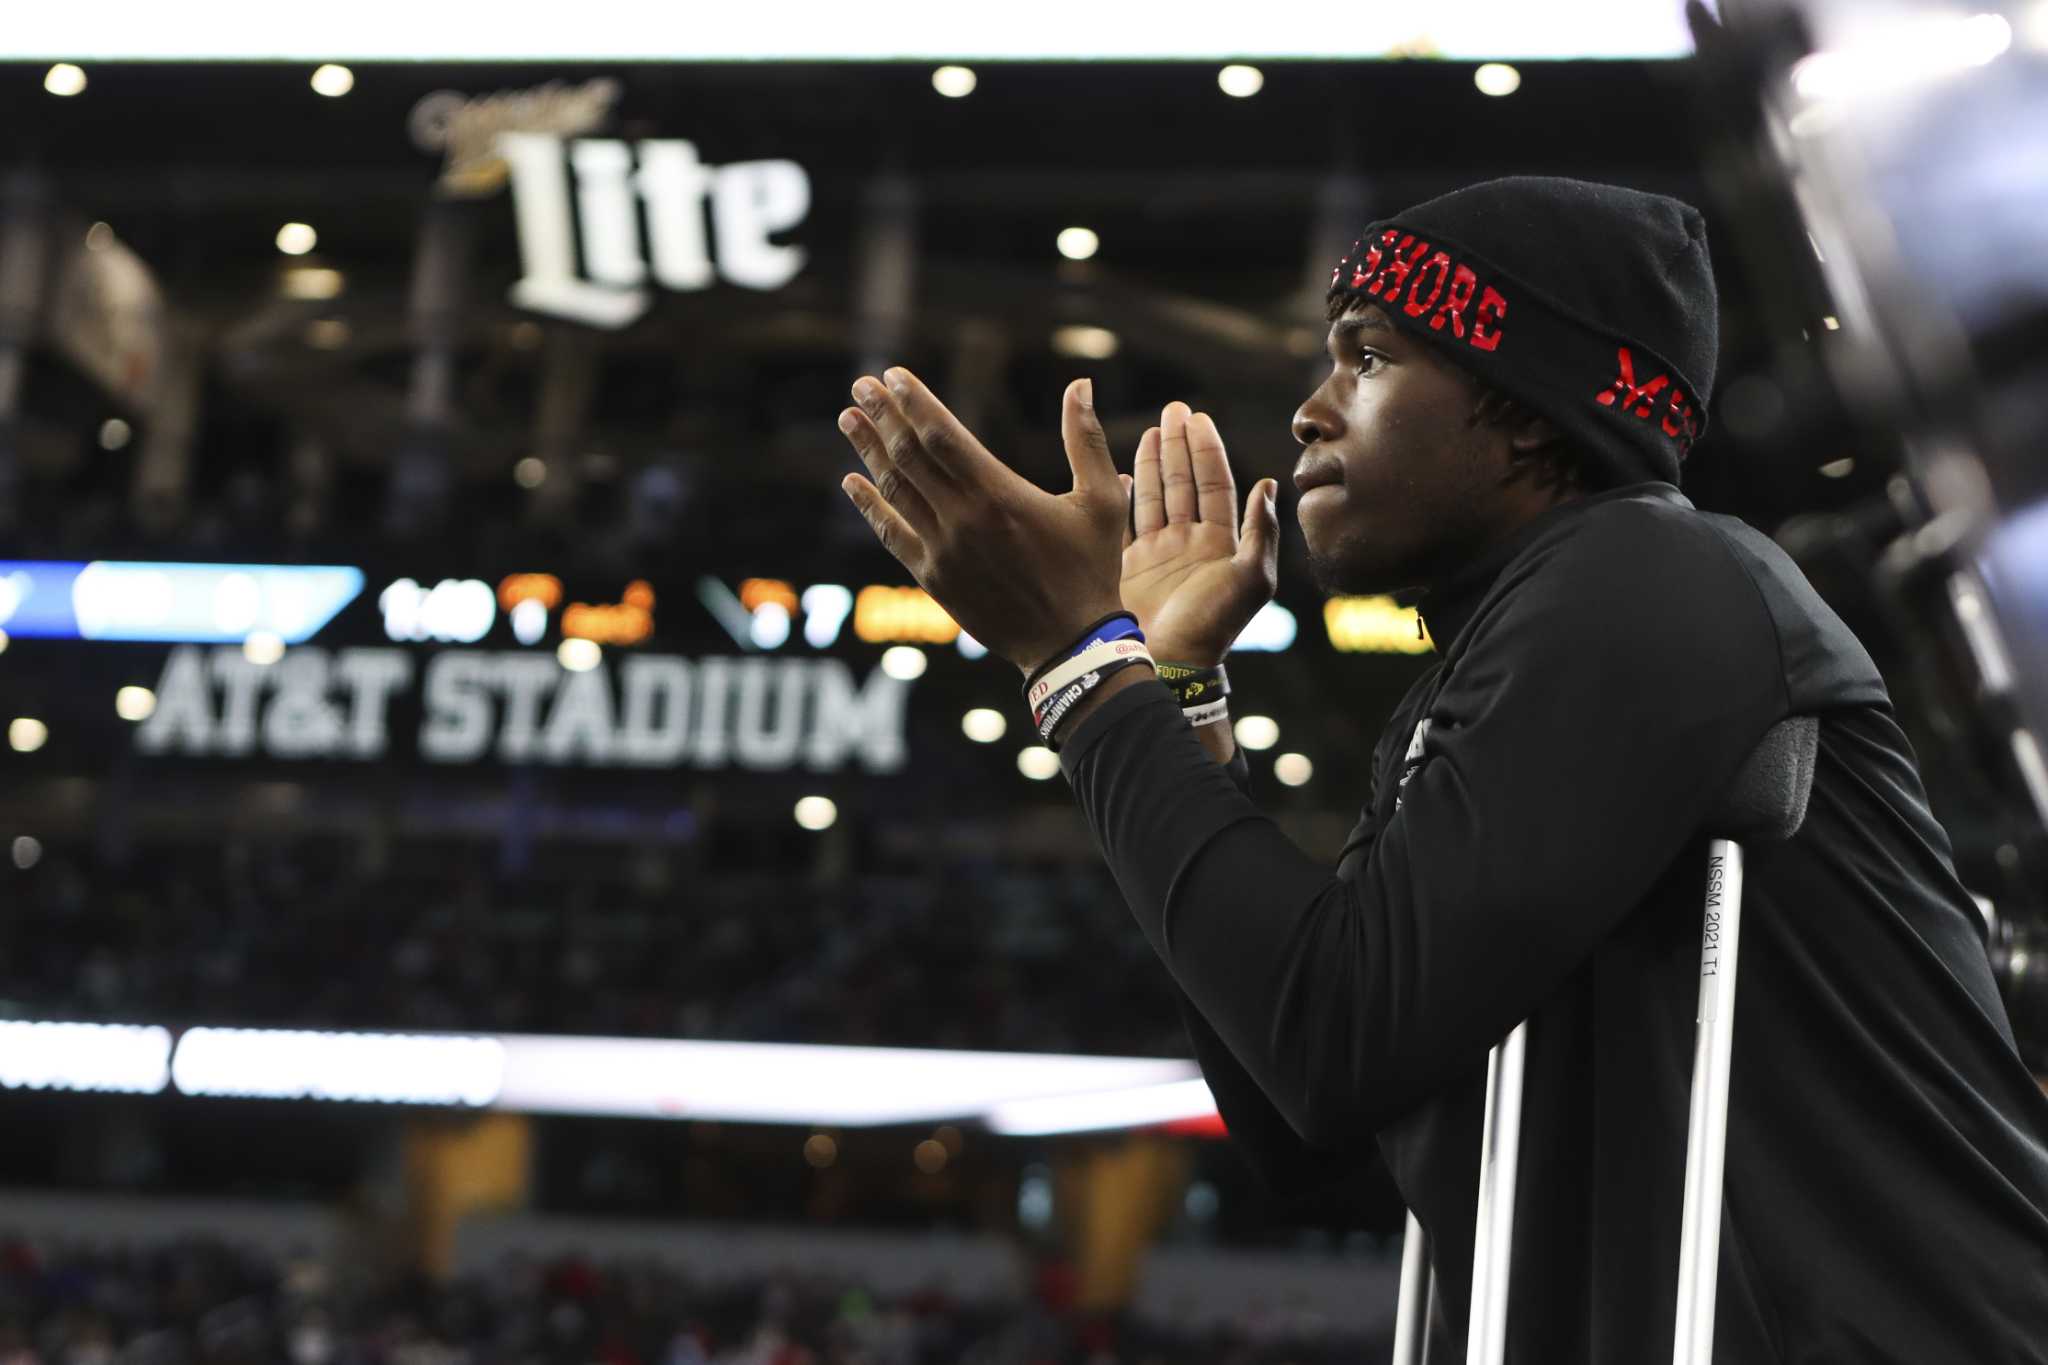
1049	717
1208	713
1087	660
1116	625
1194	686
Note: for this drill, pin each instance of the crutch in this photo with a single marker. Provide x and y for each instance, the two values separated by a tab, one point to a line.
1767	801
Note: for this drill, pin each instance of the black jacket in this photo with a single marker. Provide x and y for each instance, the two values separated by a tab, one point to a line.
1533	846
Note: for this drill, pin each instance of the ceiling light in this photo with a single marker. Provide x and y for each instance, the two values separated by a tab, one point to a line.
578	655
816	812
134	703
983	725
1078	243
1257	732
954	82
1085	343
1293	769
311	282
1241	82
1838	469
26	734
327	334
1497	78
530	472
1038	763
64	79
114	434
28	851
333	81
263	648
296	239
903	662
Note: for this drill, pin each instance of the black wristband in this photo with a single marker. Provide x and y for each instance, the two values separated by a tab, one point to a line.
1194	686
1060	705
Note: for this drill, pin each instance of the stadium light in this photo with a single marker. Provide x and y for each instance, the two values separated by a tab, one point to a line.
983	725
905	663
1293	769
954	82
919	31
1497	78
64	80
384	1068
1084	342
1240	82
579	655
1129	1107
333	81
263	648
26	734
296	239
123	1058
1078	243
135	703
1257	732
817	812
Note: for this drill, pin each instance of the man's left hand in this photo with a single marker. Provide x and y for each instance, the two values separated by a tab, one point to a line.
1023	571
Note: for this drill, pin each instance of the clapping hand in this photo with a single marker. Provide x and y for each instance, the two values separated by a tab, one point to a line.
1022	570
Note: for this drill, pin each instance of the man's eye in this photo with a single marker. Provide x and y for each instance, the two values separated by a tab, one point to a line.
1367	360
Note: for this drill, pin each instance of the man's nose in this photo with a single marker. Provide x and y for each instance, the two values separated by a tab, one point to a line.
1313	421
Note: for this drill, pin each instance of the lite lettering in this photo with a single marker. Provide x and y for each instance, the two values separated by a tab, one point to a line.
748	201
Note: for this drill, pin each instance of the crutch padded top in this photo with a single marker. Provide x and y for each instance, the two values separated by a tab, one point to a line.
1767	800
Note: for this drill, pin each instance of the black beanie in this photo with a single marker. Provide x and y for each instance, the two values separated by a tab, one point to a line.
1592	304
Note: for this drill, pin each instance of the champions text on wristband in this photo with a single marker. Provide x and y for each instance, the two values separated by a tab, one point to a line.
1049	718
1088	660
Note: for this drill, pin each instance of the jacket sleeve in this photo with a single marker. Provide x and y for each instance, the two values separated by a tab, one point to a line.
1581	735
1289	1167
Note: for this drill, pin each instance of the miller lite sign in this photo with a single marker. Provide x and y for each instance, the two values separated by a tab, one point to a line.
703	223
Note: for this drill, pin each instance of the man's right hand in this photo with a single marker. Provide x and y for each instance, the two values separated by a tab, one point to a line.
1191	578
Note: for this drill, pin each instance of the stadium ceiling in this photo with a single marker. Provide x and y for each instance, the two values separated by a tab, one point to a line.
825	30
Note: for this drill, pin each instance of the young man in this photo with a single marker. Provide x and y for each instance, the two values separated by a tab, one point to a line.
1518	370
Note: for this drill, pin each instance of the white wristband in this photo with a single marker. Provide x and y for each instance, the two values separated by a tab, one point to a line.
1207	713
1094	657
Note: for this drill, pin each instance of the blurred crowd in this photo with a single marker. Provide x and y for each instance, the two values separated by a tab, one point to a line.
315	933
198	1301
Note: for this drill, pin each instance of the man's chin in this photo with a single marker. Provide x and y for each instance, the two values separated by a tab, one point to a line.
1344	571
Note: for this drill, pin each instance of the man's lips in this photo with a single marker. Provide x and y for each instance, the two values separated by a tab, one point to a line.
1315	471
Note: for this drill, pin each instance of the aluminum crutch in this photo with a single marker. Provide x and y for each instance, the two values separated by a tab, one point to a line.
1766	801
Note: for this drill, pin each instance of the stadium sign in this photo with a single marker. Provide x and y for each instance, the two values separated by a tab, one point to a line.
651	711
748	201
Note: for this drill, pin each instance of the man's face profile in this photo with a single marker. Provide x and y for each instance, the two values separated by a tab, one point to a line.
1401	484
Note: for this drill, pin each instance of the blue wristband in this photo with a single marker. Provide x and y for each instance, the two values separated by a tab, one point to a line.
1118	628
1115	626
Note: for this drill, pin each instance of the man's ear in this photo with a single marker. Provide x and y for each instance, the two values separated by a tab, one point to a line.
1531	431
